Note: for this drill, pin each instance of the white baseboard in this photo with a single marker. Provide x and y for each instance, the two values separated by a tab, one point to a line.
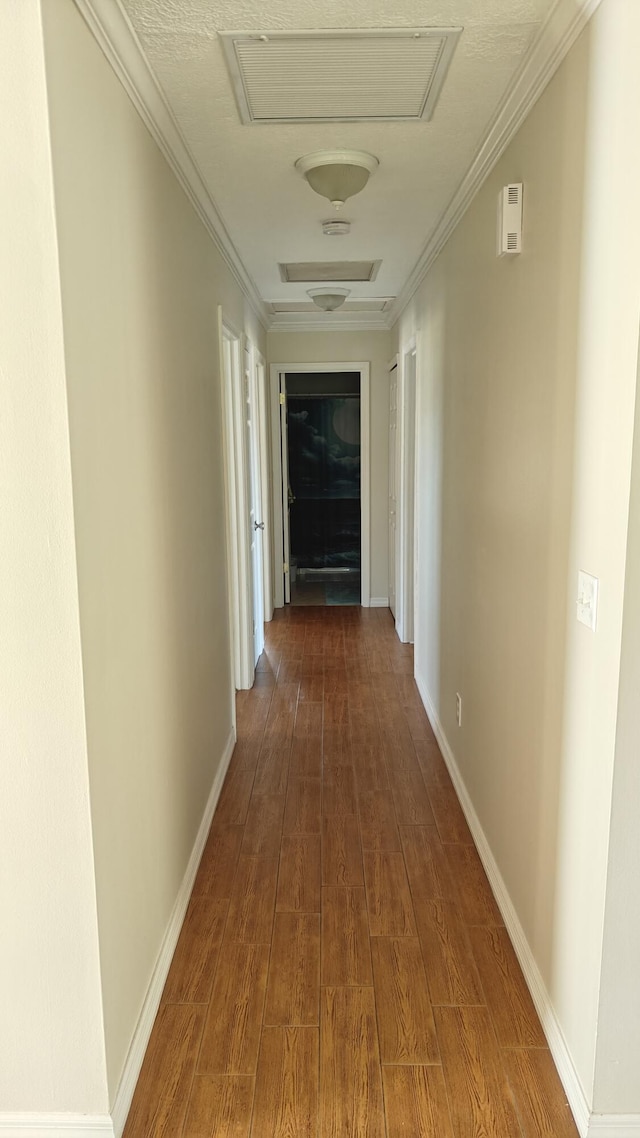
379	603
614	1126
56	1125
541	998
151	1004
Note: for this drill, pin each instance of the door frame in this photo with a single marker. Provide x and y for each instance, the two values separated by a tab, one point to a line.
364	369
264	442
406	483
239	569
254	499
394	363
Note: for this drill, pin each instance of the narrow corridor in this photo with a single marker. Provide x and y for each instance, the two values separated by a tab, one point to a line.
343	970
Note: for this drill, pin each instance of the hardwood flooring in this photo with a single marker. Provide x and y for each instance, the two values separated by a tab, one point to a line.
343	970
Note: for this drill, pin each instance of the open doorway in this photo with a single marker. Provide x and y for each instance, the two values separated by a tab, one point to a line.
323	462
321	468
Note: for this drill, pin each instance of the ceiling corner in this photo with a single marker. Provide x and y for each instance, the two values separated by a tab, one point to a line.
557	35
116	37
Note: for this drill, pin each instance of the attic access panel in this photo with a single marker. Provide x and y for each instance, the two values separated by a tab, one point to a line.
283	307
314	272
387	75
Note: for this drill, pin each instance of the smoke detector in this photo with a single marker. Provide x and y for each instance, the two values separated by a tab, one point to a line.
333	228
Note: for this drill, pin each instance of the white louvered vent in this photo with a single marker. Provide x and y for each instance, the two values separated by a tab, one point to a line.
510	220
334	271
376	304
339	76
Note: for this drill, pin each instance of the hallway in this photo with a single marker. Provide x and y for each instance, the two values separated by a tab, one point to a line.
343	970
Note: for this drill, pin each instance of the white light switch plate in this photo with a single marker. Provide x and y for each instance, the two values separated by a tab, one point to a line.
587	603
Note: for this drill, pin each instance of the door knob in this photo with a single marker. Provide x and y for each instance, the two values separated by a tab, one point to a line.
258	525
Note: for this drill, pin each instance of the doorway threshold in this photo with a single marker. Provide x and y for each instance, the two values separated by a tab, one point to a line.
326	587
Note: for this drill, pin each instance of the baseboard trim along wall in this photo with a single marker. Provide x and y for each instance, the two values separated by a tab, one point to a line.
379	603
614	1126
541	998
56	1126
589	1125
59	1125
151	1004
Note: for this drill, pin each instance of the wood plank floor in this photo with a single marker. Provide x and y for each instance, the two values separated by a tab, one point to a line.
343	970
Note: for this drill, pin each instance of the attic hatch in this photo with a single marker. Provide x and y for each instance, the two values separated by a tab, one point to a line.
308	272
386	75
375	304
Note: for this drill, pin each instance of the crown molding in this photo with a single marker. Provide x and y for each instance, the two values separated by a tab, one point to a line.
115	35
557	35
110	26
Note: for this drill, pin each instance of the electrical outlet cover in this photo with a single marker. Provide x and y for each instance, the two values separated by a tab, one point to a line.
587	602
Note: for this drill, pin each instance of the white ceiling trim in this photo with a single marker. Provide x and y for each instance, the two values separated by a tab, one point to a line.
557	35
329	322
116	37
113	31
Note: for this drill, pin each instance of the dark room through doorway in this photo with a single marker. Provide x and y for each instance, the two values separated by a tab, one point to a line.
324	451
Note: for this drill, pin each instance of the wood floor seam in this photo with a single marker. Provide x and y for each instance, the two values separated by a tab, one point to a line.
343	970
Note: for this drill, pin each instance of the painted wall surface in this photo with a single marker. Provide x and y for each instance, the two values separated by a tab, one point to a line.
527	372
51	1047
375	347
141	281
617	1074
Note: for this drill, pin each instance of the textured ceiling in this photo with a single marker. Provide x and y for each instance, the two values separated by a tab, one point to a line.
269	210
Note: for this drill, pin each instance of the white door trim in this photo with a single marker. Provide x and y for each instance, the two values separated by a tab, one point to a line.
236	502
260	374
364	368
251	424
395	591
277	545
406	482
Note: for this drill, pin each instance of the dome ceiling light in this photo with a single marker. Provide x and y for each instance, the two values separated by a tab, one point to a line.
328	299
337	174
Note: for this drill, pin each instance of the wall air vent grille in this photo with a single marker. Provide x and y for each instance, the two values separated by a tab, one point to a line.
304	272
393	74
510	220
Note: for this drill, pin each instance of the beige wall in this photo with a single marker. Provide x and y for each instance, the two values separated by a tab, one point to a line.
617	1073
526	387
141	281
374	347
51	1046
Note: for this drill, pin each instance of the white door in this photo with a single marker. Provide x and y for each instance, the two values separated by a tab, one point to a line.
237	504
393	491
254	496
286	493
261	403
407	494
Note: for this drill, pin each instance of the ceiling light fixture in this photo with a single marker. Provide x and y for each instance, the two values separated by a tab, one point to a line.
337	174
328	299
335	228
